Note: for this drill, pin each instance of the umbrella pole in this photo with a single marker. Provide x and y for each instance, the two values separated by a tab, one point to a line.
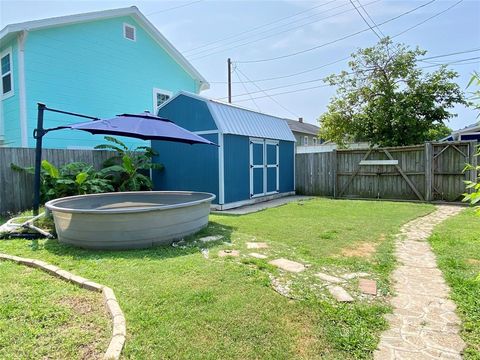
38	136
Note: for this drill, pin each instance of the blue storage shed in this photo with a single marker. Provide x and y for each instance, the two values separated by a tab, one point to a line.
255	159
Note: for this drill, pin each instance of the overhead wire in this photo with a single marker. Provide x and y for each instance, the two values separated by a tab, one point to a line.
174	7
365	20
246	90
336	40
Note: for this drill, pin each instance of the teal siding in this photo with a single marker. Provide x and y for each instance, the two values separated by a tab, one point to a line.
237	168
92	69
187	167
190	113
286	167
10	106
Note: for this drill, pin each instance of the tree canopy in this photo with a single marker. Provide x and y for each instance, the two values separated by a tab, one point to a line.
387	99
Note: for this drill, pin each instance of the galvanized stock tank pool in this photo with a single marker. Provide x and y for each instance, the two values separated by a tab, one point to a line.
128	220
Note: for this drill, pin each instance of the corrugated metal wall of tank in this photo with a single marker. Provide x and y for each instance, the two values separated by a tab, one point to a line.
187	167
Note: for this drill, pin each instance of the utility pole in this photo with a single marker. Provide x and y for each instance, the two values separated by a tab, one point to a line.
229	66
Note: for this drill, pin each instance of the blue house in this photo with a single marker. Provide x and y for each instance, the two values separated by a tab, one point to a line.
255	159
471	132
100	64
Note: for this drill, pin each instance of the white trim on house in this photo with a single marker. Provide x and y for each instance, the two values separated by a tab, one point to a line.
221	170
7	51
22	93
106	14
125	25
206	132
156	91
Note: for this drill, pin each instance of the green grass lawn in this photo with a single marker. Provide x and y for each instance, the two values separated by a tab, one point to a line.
456	243
181	305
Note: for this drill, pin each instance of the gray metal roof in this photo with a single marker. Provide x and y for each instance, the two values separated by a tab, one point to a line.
236	120
304	128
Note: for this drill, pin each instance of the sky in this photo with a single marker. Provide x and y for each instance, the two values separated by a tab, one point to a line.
295	42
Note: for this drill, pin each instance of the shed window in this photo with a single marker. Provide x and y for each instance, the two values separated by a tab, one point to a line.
129	32
159	97
7	81
305	141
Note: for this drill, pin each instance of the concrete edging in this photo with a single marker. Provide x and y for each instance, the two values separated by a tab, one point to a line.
119	329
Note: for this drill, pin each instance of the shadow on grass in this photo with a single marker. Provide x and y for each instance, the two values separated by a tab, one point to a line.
188	246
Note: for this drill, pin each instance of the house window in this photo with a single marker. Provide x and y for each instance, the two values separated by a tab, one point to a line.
6	71
305	141
159	97
129	32
314	141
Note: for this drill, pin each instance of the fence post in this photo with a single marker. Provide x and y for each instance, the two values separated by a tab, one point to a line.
334	172
428	171
472	160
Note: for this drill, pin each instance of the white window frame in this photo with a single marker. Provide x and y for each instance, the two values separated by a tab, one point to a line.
154	98
3	96
134	31
305	141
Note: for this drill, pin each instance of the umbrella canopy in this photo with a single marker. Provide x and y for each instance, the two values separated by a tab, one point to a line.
141	126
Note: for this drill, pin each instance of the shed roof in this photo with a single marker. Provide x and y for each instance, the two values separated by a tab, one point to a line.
304	128
13	29
236	120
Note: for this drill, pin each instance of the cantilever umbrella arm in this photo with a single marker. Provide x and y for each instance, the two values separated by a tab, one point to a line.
38	135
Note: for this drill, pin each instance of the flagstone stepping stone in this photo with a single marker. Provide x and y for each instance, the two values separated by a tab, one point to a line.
288	265
205	253
208	239
258	256
354	275
226	253
368	286
282	289
257	245
329	278
339	293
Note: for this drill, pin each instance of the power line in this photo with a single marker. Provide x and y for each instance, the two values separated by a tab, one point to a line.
174	7
371	19
271	98
365	20
325	85
257	27
429	18
245	87
336	40
280	32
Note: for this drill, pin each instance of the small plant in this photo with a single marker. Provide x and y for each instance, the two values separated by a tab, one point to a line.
75	178
127	169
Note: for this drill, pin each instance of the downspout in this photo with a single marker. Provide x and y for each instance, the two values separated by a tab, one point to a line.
22	37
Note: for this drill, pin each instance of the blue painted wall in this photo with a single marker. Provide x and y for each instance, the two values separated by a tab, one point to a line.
92	69
237	168
286	168
190	113
10	111
187	167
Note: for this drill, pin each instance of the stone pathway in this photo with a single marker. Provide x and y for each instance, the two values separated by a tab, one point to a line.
423	324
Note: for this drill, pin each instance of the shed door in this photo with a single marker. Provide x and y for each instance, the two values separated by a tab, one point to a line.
271	152
257	168
264	167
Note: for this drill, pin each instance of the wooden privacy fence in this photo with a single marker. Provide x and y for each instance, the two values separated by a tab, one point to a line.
16	188
433	171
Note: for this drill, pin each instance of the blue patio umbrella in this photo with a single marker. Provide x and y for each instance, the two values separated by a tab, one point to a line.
141	126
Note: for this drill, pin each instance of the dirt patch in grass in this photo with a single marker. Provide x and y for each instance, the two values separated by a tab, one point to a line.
362	250
473	261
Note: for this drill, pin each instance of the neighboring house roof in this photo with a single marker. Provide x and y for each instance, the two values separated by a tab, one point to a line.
236	120
473	128
301	127
12	29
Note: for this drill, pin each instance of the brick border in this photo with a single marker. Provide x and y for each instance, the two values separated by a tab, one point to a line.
119	330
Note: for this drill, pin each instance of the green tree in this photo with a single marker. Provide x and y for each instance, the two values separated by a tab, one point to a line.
386	99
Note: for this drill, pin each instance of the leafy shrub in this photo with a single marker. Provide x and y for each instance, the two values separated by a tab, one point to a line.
127	169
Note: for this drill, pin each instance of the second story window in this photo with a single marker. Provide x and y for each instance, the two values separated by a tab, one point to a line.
159	97
129	32
305	141
314	141
6	71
